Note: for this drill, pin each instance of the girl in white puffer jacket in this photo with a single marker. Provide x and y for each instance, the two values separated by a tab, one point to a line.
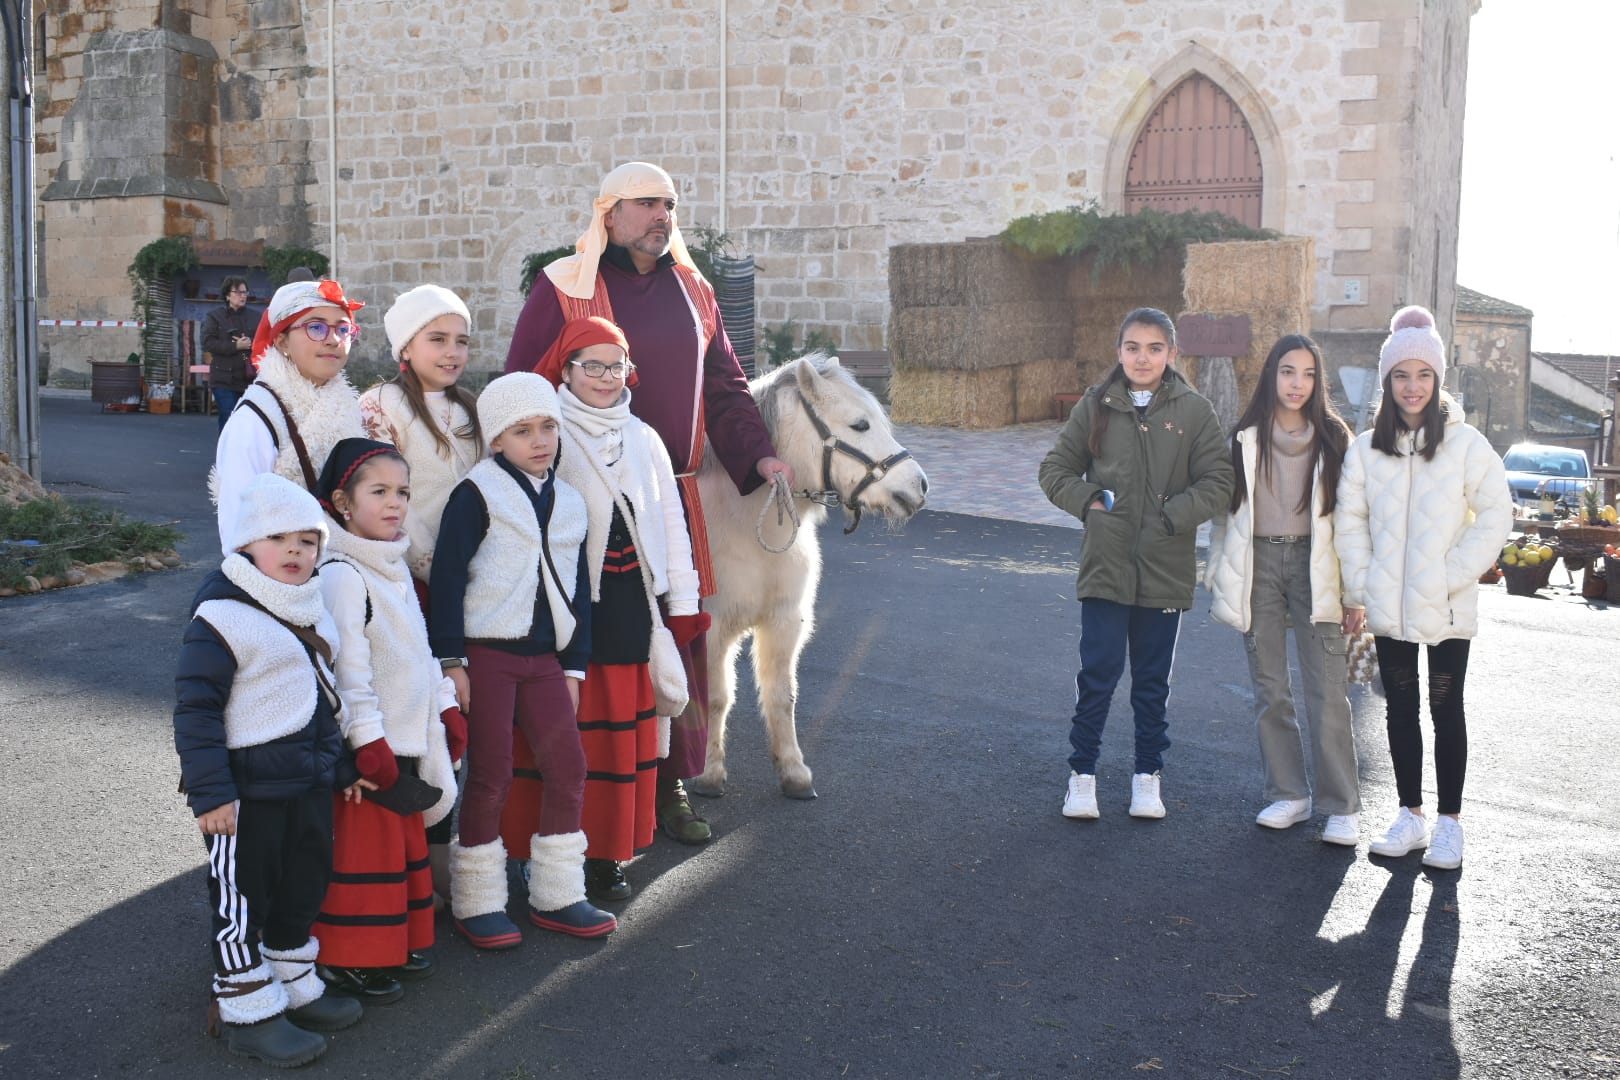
1423	511
1272	564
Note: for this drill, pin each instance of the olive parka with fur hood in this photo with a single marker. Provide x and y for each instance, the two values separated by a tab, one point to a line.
1169	471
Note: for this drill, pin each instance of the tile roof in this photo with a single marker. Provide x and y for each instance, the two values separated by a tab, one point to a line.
1553	415
1477	303
1594	371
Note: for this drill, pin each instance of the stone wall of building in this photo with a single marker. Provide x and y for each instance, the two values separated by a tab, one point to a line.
1498	399
470	135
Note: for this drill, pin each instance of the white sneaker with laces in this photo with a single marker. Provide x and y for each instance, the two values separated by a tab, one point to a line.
1406	834
1344	829
1446	846
1283	813
1081	801
1145	801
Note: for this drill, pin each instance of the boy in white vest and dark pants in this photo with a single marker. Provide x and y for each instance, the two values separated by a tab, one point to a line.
510	622
256	727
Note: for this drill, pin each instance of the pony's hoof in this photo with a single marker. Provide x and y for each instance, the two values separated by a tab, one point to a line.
798	791
709	789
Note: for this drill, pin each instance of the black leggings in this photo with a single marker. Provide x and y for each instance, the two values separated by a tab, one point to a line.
1448	669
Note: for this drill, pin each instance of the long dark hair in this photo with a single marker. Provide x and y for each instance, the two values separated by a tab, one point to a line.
1388	425
1142	316
1330	435
411	387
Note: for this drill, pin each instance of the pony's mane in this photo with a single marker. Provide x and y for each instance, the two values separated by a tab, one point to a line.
767	388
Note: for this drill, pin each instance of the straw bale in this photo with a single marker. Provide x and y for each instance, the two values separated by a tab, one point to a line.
982	399
974	338
925	275
1138	285
1238	277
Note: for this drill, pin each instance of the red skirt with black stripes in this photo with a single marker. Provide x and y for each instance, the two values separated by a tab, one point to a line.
618	730
379	905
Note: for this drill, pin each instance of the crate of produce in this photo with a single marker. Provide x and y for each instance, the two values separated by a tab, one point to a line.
1526	565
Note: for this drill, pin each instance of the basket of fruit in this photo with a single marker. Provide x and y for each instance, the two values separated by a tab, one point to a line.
1526	566
1597	525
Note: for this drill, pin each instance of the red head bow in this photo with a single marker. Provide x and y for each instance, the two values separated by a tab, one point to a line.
294	299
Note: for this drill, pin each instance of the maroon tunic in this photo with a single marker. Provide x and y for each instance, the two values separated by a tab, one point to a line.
652	311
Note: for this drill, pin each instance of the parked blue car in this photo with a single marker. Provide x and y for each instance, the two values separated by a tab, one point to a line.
1533	468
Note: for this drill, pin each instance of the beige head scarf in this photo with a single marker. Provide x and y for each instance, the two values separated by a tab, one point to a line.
576	275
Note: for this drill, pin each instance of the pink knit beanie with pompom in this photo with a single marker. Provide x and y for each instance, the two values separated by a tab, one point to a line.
1412	336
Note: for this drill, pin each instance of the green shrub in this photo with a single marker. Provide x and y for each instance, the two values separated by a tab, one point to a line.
70	531
1122	240
281	261
777	347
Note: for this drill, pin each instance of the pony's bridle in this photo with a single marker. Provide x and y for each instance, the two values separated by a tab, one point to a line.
832	444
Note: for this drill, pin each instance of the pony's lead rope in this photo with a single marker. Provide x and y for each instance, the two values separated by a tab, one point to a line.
782	498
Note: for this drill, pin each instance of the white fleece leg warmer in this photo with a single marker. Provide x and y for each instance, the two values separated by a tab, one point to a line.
664	726
477	879
556	870
240	1005
295	970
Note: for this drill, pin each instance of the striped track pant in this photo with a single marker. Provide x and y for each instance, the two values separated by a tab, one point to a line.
265	884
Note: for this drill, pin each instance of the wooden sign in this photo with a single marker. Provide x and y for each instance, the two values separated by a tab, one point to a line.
229	252
1214	335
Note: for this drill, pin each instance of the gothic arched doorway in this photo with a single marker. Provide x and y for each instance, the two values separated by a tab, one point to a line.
1196	152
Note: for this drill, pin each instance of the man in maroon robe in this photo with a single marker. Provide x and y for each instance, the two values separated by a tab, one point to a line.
632	267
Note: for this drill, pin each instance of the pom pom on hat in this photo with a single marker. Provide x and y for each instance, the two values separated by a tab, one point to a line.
415	309
1412	336
272	505
522	395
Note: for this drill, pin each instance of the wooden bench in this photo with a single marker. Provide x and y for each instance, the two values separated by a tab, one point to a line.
1066	403
870	364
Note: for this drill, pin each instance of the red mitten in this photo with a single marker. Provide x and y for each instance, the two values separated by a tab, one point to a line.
376	763
686	628
455	732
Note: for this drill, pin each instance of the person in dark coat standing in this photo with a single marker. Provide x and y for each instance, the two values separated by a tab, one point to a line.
632	268
228	341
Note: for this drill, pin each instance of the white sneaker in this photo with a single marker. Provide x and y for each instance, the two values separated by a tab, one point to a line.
1283	813
1405	834
1342	829
1145	801
1081	801
1446	846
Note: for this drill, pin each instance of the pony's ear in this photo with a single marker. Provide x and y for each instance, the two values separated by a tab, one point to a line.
809	379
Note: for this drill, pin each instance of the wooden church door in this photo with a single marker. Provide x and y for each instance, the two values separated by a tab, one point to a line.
1196	152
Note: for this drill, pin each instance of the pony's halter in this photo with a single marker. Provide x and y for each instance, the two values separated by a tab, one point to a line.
831	444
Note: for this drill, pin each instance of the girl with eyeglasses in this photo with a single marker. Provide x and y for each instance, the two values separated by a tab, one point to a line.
300	404
620	466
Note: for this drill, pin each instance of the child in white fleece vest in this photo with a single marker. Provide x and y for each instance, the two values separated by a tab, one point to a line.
511	616
256	727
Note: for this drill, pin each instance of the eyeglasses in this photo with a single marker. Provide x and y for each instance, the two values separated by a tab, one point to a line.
596	369
240	290
318	330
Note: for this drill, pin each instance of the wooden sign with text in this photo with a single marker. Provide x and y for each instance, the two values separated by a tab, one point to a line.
1214	335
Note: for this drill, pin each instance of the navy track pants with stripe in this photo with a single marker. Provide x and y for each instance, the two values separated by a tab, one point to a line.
269	879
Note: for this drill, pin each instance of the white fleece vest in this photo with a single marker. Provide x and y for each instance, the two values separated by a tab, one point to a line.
504	575
273	692
434	474
387	675
1230	573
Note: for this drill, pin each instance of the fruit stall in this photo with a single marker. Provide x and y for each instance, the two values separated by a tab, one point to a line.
1587	544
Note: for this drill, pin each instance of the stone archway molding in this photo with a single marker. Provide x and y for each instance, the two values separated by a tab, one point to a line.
1196	59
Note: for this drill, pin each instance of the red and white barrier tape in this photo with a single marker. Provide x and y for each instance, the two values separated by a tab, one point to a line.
131	323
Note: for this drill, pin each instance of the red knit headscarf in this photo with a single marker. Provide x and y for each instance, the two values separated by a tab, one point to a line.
579	334
293	300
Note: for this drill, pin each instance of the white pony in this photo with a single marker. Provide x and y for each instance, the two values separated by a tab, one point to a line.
837	438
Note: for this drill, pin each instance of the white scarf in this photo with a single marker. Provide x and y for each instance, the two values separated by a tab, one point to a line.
602	446
300	605
385	558
325	414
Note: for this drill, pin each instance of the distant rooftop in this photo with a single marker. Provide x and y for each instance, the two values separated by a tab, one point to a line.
1594	371
1552	415
1477	303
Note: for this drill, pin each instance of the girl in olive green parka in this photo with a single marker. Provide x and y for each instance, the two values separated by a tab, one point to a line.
1142	463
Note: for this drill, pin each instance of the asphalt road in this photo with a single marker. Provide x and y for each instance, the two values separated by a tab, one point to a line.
930	915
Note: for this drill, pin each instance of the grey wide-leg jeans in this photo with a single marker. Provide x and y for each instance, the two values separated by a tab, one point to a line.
1280	597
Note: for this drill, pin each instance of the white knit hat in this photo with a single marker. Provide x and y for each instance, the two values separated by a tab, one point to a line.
418	307
1412	336
272	505
522	395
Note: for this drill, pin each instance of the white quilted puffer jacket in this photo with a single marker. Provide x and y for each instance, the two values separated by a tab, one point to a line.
1229	575
1414	536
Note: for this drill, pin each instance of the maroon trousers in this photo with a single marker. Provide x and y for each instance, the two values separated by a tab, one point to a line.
531	693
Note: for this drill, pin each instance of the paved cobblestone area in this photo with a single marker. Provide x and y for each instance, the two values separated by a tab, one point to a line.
986	473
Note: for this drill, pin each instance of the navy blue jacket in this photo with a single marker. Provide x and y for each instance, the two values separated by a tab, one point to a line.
311	759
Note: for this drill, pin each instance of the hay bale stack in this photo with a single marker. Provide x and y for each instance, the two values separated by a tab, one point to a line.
1271	281
1101	298
973	337
973	273
980	399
